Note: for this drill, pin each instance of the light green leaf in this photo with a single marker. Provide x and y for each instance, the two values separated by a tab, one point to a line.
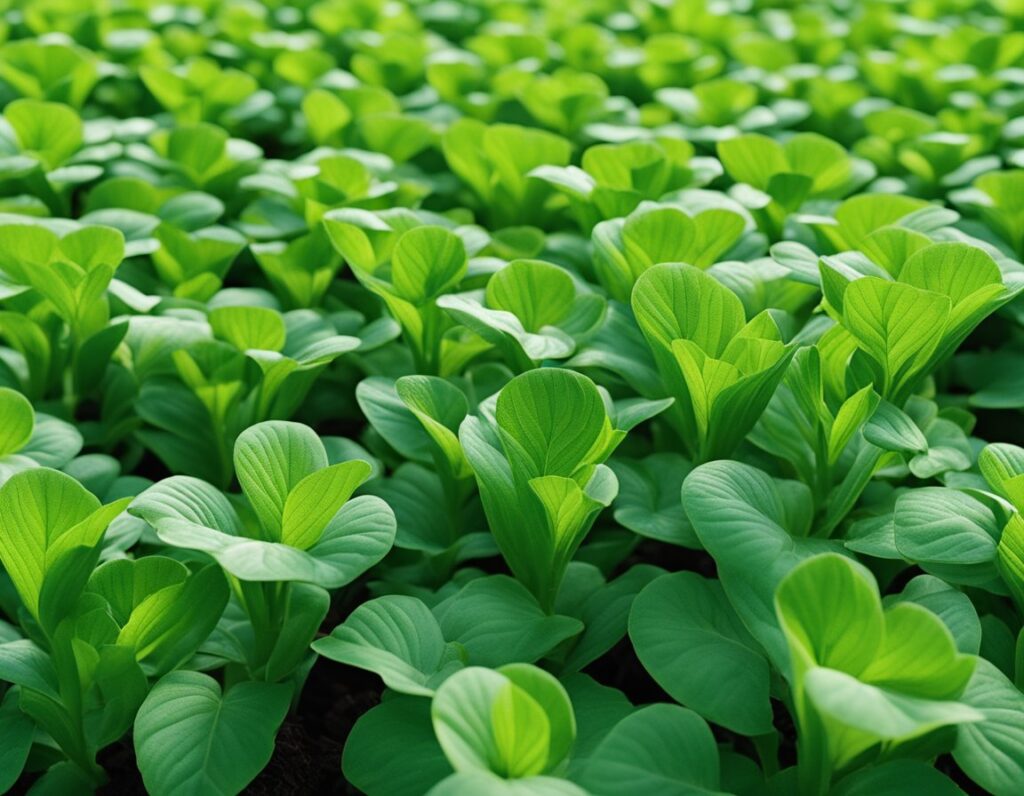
679	302
514	722
462	716
125	583
50	131
538	293
249	327
831	613
1002	465
440	407
427	261
185	498
917	656
271	459
897	324
45	516
752	159
884	714
166	628
1011	556
554	702
551	421
17	419
315	499
521	734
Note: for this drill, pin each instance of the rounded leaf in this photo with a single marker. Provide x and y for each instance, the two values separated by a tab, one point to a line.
551	421
427	261
193	740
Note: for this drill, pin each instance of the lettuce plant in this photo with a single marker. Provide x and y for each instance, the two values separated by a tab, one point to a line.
711	363
911	316
774	180
540	456
614	179
652	234
858	685
93	637
288	547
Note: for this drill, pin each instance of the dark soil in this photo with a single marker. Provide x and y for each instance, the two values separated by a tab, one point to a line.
307	758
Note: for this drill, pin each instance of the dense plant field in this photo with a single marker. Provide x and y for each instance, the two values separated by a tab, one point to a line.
512	397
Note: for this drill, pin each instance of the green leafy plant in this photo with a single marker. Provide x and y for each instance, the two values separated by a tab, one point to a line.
994	197
409	266
496	162
286	550
328	330
711	363
911	316
859	683
615	178
625	248
93	638
774	180
541	459
260	365
59	321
